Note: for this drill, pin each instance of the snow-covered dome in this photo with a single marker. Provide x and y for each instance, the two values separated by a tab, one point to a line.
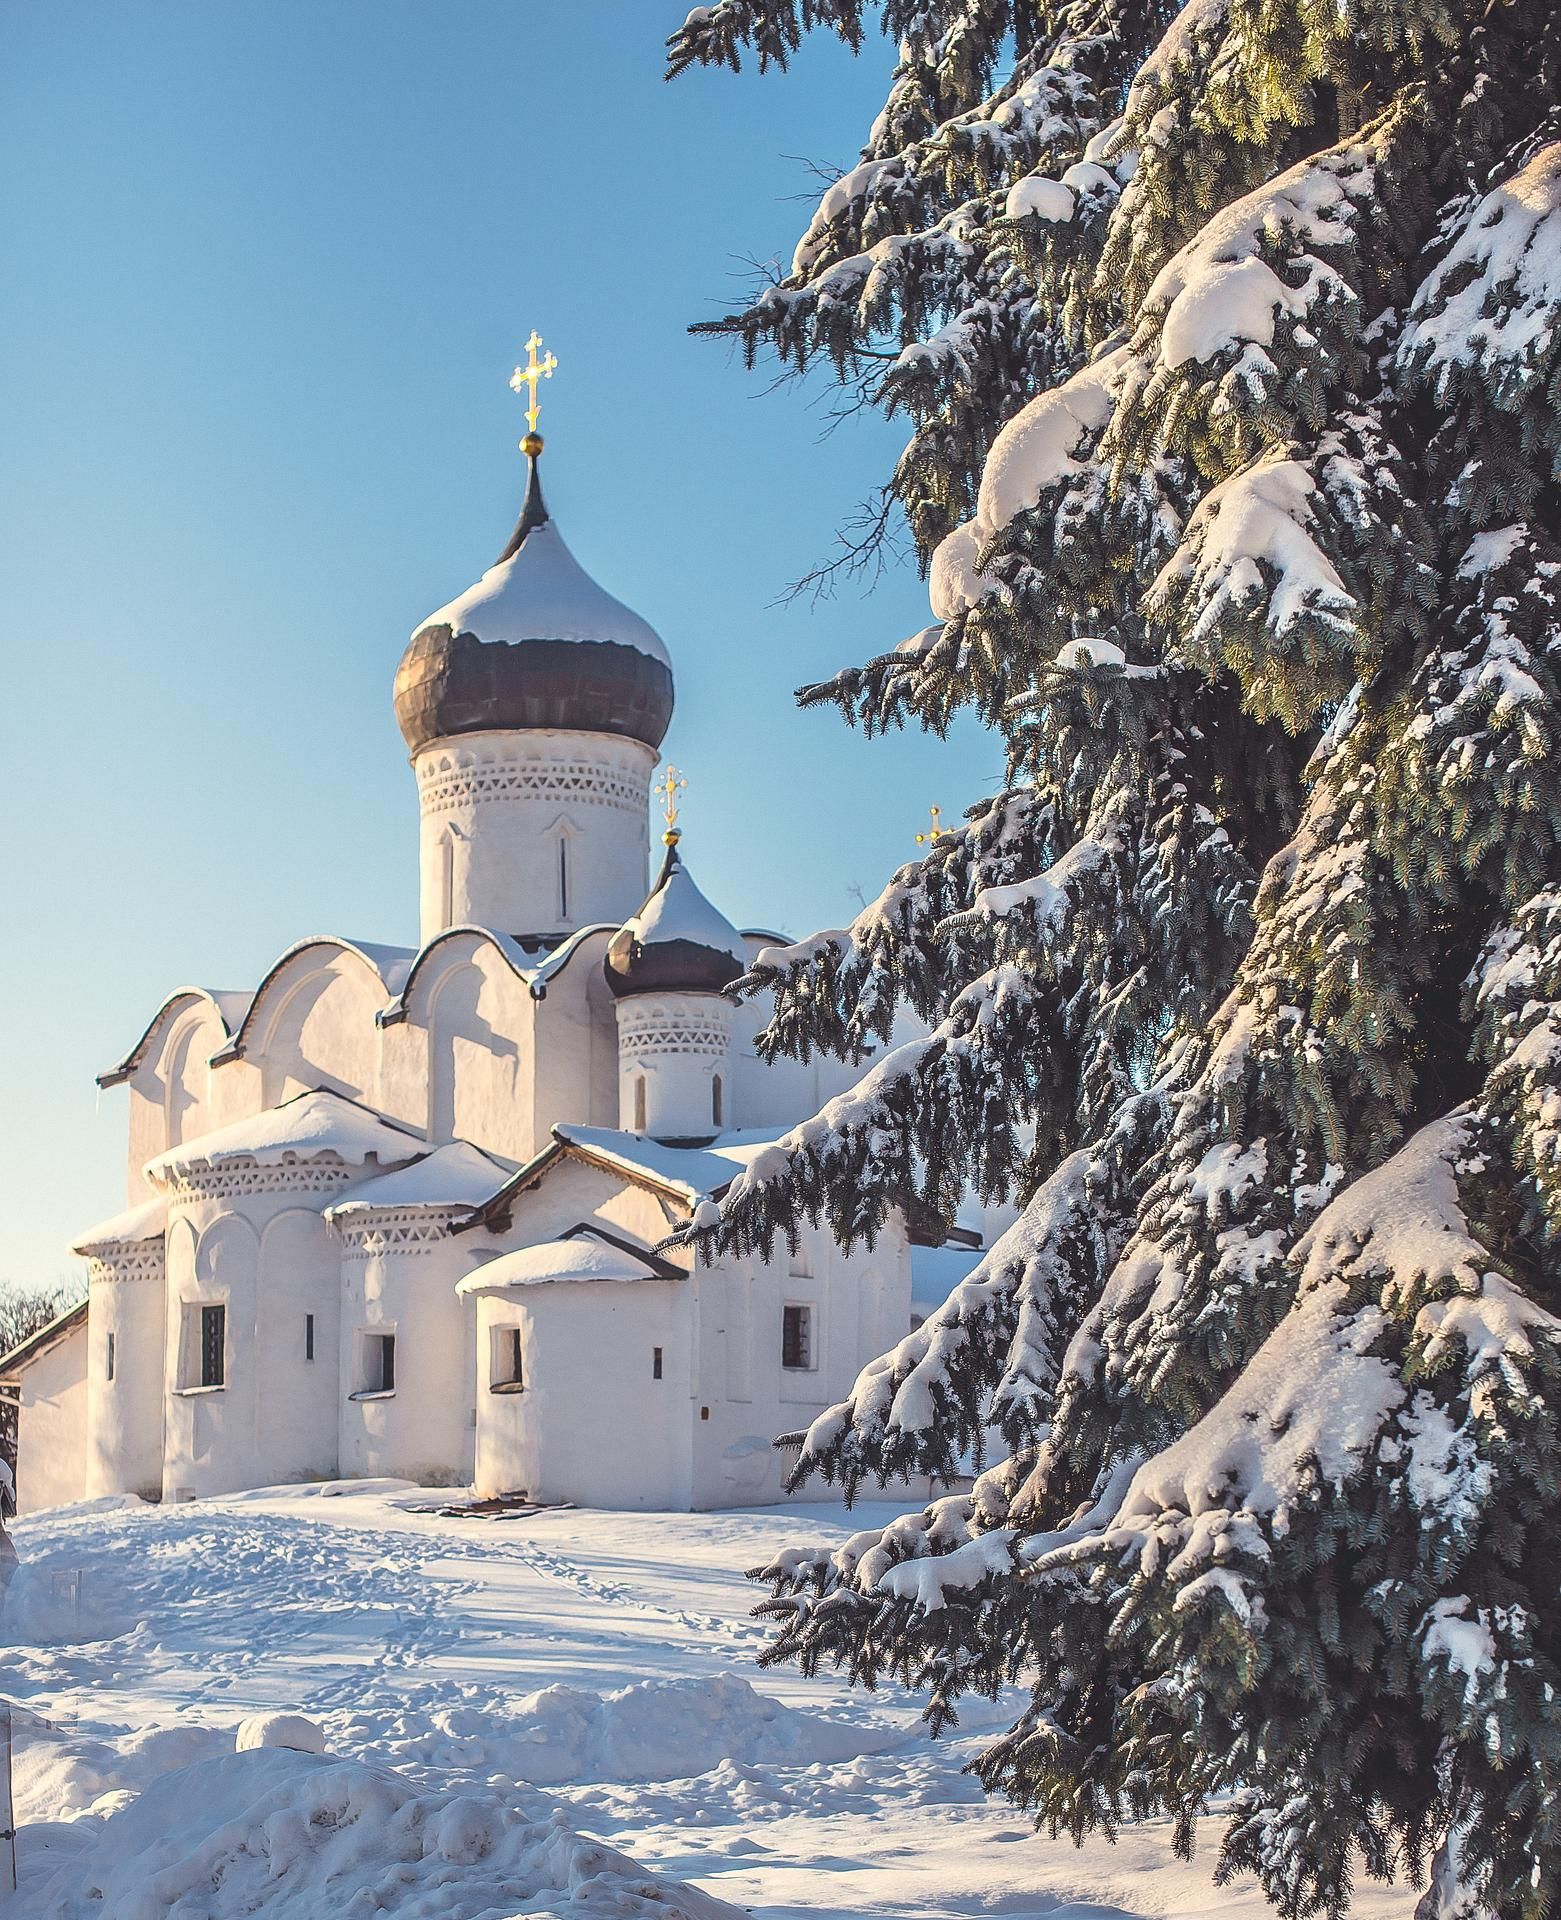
677	942
535	643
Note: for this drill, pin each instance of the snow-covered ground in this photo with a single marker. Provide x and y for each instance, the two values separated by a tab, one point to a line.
489	1692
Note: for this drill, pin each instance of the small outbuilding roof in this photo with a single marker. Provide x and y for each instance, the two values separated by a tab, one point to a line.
143	1222
307	1127
586	1253
688	1174
458	1175
72	1320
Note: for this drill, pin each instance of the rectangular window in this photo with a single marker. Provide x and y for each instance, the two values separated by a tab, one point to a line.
797	1337
308	1336
381	1358
214	1337
108	1359
655	1363
507	1361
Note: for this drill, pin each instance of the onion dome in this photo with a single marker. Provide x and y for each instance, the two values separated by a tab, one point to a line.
677	942
535	643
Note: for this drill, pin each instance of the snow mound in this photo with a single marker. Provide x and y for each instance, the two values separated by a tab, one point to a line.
658	1730
302	1837
289	1730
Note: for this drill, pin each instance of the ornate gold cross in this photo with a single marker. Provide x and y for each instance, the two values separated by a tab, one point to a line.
527	377
926	839
669	787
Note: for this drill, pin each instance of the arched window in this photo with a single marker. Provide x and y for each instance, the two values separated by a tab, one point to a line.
639	1103
717	1102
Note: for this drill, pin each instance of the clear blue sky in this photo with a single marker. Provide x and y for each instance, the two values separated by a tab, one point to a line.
267	269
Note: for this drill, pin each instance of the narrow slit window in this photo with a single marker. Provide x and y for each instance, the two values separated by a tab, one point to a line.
563	877
108	1359
655	1363
797	1338
308	1336
639	1103
717	1102
214	1339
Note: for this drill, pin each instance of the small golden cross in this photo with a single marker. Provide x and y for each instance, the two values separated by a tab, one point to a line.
528	376
669	787
926	839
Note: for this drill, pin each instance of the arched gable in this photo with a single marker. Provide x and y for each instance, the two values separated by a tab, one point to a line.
535	967
226	1011
313	1021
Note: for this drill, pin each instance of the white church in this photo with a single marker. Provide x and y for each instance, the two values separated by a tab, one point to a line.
397	1212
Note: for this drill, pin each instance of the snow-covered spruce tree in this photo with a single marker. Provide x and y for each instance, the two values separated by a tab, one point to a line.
1230	343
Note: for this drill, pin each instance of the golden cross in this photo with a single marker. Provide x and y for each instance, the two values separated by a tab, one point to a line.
528	376
926	839
669	787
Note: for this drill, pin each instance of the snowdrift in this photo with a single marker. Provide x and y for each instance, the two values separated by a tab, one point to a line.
659	1730
304	1836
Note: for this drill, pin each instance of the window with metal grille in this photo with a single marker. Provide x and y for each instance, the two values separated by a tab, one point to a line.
214	1337
797	1337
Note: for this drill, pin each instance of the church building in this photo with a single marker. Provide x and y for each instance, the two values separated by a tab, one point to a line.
404	1212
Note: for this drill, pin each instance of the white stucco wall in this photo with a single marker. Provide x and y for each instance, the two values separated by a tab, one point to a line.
267	1257
676	1046
51	1452
593	1423
494	808
399	1273
124	1437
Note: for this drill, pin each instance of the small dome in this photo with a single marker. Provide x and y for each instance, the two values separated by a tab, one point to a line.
535	643
677	942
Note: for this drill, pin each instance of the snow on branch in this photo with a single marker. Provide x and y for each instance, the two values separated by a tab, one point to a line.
1400	1324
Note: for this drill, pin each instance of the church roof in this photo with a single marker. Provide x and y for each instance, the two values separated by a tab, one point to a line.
586	1253
677	942
687	1174
307	1127
458	1175
536	642
143	1222
230	1005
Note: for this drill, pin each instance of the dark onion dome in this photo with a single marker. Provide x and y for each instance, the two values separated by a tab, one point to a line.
536	643
677	942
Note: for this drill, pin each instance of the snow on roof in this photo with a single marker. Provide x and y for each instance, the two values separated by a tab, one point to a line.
458	1175
37	1344
535	966
937	1271
541	592
231	1005
677	910
143	1222
303	1128
583	1256
696	1172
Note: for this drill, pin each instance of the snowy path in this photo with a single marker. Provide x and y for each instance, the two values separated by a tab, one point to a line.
464	1653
